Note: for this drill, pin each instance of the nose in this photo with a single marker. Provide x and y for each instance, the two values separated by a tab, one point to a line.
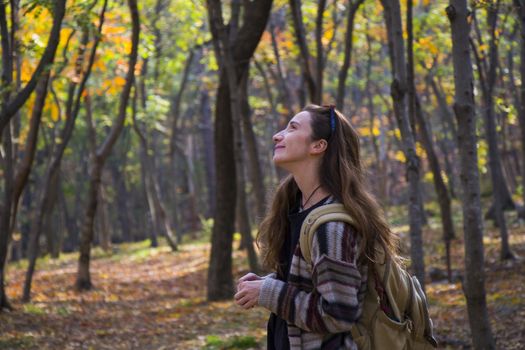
278	136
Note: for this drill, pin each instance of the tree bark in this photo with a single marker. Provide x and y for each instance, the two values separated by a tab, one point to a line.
353	6
464	109
9	106
83	281
520	4
487	81
255	171
439	185
209	160
255	17
158	213
72	110
300	36
9	109
398	91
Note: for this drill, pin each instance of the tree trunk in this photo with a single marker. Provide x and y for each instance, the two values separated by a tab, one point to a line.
11	107
353	6
71	241
284	90
439	185
83	281
499	186
242	206
300	36
102	221
158	213
464	108
72	109
48	226
240	51
209	160
398	91
520	4
256	173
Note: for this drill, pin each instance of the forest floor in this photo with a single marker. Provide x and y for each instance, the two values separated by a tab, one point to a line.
151	298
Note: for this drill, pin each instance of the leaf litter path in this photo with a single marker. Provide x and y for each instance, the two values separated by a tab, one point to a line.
150	298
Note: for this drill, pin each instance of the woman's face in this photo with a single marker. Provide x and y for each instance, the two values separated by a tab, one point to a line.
294	143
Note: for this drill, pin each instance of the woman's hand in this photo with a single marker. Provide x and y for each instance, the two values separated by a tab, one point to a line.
247	295
249	277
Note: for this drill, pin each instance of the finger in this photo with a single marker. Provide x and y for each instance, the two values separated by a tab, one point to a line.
250	304
239	295
246	300
248	277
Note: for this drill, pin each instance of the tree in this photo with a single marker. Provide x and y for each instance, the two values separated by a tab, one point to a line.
416	115
238	45
487	78
353	6
520	4
75	92
464	109
398	91
83	281
313	74
15	179
11	106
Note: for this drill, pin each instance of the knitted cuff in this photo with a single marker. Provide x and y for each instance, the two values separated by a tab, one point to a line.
269	293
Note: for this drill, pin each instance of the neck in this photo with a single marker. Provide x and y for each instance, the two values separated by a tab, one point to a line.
307	180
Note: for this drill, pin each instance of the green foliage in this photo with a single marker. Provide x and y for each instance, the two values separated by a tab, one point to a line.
215	342
33	309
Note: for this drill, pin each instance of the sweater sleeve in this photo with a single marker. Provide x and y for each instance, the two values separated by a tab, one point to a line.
333	304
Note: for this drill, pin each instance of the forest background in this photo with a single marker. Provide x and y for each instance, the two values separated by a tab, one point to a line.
136	158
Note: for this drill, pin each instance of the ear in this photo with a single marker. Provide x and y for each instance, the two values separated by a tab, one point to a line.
318	147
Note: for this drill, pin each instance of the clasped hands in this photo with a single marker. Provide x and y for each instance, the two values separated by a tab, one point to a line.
248	289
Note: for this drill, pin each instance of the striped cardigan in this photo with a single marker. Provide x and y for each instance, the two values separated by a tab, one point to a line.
321	302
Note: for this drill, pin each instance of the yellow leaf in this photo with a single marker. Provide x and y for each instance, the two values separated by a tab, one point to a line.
400	156
55	115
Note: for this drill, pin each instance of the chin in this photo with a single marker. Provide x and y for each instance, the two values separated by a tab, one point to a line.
280	163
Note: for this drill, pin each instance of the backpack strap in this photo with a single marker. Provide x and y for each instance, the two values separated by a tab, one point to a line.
317	217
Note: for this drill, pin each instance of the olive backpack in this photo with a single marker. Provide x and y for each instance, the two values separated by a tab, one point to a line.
395	312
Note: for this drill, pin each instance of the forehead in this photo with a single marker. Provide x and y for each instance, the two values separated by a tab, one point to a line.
301	118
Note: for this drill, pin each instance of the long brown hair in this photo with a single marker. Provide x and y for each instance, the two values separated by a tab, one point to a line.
341	173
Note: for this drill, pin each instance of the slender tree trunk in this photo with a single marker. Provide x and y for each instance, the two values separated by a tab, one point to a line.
104	229
300	36
520	4
48	226
6	204
83	281
398	91
242	206
158	213
353	6
209	160
72	110
284	90
439	185
499	186
239	51
11	107
71	241
319	67
256	173
464	108
449	144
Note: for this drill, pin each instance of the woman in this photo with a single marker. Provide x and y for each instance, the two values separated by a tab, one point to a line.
314	306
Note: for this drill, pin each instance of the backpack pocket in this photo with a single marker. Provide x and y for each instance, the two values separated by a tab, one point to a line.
390	334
